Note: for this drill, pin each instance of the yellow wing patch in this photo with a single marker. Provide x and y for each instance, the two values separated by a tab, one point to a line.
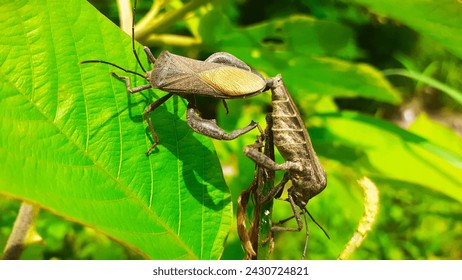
233	81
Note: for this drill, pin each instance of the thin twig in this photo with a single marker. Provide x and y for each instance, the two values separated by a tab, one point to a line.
257	241
172	40
24	221
371	209
154	23
264	215
125	15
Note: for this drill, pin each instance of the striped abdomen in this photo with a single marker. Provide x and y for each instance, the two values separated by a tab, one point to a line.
293	142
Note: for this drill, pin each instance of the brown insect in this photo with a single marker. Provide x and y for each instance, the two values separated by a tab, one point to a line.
302	165
221	76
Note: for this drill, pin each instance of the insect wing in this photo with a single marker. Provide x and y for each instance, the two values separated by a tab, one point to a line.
174	73
233	81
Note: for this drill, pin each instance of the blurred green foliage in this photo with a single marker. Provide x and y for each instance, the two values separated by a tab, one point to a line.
330	54
62	239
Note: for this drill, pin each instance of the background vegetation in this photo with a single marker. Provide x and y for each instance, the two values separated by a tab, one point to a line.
378	84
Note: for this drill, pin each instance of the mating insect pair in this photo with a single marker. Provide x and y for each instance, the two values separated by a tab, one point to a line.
224	76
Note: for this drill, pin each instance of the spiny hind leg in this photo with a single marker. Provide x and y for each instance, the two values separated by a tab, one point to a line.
261	159
211	129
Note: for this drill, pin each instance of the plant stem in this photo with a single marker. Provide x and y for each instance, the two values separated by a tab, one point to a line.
171	40
125	15
152	23
23	223
371	209
260	231
265	237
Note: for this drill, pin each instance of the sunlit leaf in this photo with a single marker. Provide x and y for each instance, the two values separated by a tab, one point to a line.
73	141
383	150
437	133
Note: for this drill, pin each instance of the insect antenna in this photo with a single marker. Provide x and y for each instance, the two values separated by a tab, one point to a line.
133	49
133	36
114	65
311	217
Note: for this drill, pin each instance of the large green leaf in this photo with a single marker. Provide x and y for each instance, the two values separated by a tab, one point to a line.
440	20
73	141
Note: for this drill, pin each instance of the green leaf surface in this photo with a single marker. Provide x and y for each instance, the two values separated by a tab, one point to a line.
73	140
383	150
440	20
437	133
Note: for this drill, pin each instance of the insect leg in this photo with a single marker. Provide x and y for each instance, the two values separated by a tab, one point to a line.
148	110
127	83
304	212
226	106
299	227
266	162
211	129
296	215
276	191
